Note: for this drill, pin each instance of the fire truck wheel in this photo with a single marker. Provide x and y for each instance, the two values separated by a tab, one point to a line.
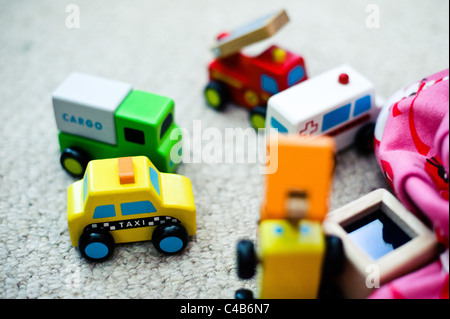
74	161
215	95
364	139
170	238
258	117
96	245
246	259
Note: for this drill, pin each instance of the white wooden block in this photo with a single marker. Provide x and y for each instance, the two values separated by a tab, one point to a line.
84	105
370	260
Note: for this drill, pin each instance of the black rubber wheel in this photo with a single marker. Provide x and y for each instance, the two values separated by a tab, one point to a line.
74	161
258	117
243	294
170	238
364	139
246	259
215	95
96	245
333	265
334	257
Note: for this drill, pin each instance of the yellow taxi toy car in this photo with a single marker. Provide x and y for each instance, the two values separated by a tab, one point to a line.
127	199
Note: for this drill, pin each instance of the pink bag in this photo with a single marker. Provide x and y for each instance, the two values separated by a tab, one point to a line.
412	150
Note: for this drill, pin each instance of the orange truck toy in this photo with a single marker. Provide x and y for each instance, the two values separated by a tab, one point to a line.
294	258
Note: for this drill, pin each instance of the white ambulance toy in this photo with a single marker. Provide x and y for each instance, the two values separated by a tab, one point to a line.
338	103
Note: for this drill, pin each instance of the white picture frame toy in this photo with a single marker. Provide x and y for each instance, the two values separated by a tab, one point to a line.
382	241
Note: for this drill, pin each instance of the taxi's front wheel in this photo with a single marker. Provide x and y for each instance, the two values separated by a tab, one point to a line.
96	245
170	238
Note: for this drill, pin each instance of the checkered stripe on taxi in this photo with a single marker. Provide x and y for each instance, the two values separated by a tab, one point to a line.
133	223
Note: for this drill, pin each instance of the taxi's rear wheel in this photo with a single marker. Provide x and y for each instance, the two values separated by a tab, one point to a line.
96	245
170	238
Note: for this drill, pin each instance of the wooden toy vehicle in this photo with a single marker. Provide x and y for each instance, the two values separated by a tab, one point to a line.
340	103
100	118
127	199
249	81
382	241
294	258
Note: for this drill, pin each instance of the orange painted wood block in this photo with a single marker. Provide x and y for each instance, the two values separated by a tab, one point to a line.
300	186
126	170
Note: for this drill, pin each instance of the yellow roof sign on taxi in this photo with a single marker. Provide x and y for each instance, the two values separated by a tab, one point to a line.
118	174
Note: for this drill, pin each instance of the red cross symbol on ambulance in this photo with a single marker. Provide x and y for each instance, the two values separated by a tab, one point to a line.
310	128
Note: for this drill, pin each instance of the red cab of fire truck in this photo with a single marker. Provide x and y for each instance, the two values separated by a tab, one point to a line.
249	81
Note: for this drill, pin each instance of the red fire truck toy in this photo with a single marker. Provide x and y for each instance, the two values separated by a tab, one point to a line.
249	81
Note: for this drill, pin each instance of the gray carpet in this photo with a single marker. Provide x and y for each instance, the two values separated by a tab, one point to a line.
163	47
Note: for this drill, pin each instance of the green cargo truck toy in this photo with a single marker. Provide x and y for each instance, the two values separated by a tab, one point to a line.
99	118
